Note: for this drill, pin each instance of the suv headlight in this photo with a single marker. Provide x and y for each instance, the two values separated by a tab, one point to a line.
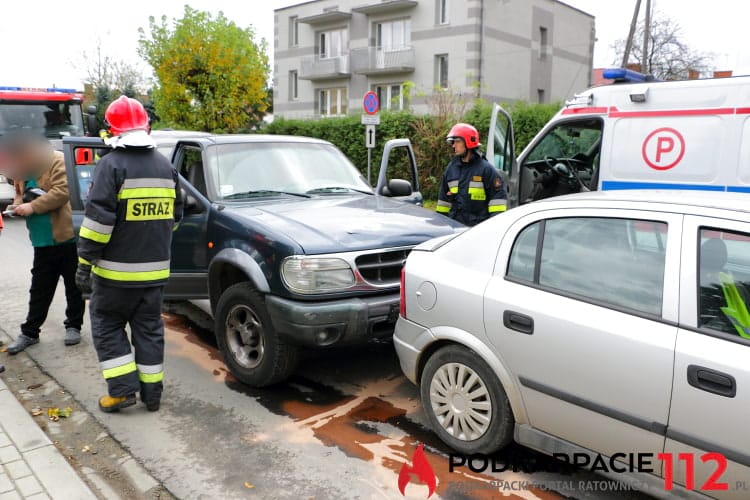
316	275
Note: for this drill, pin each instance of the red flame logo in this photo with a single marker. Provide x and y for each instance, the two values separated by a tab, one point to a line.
419	472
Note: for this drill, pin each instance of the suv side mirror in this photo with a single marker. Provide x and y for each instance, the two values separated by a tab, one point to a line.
397	187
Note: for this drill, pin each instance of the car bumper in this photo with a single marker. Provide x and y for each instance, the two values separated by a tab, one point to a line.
410	340
348	321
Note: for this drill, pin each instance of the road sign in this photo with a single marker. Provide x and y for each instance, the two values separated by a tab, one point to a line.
370	136
663	148
371	103
370	119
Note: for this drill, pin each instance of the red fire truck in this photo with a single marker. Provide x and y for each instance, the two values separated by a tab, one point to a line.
52	112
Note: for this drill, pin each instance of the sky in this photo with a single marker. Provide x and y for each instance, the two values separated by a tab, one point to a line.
43	46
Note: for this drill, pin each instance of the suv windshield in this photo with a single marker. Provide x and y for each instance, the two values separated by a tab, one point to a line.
274	168
51	119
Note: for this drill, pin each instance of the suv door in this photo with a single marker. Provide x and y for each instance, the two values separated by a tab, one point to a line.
581	310
711	392
188	267
399	164
501	152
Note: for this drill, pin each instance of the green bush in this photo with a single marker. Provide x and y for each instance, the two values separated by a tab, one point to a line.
426	134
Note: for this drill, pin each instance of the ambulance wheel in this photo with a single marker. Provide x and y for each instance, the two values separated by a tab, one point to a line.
465	403
252	350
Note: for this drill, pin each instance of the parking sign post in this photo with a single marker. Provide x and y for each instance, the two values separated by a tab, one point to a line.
371	106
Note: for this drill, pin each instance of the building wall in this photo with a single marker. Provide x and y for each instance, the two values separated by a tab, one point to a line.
499	39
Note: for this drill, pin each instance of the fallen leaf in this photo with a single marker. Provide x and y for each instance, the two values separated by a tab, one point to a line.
33	386
35	412
53	412
65	413
249	486
86	449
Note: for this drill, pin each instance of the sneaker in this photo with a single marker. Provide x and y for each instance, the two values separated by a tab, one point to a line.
72	336
108	404
21	343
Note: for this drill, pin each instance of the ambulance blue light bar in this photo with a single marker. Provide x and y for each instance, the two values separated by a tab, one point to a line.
623	75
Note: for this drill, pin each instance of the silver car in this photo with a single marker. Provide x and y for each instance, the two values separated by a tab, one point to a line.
600	324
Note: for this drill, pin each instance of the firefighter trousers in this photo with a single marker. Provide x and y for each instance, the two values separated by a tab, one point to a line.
127	372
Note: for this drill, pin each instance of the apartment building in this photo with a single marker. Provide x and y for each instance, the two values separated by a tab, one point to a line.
328	53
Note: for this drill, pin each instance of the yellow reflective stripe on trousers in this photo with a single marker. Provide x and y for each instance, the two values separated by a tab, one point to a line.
92	235
150	378
132	271
81	260
118	367
145	192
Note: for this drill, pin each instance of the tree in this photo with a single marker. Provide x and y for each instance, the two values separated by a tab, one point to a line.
668	56
107	78
210	74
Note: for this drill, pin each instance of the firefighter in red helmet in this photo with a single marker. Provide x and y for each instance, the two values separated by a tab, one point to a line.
472	189
132	208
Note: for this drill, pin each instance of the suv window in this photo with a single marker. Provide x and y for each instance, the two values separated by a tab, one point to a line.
596	258
724	281
191	168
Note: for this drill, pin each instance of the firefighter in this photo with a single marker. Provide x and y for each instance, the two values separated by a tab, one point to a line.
472	190
133	205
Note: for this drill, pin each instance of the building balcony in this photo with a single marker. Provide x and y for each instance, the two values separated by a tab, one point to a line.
321	68
376	60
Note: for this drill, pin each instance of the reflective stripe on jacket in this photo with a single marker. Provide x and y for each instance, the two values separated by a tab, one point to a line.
471	192
133	205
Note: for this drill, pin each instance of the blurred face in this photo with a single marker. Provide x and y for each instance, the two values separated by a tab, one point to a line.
23	158
458	145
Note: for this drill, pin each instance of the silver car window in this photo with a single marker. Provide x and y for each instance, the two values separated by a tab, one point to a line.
608	260
724	281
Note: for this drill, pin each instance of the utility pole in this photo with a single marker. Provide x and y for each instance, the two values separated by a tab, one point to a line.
631	34
646	38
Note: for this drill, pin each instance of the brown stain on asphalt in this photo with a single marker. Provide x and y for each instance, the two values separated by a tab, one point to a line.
350	422
182	341
352	432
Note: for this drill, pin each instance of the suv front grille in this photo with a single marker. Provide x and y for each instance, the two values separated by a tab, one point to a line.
384	268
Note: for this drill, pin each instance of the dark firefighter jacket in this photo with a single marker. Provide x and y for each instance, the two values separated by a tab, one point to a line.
471	192
133	205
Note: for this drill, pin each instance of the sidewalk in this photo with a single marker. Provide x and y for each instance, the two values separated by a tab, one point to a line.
31	467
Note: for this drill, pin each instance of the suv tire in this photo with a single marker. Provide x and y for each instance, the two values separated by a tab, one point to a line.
251	348
481	423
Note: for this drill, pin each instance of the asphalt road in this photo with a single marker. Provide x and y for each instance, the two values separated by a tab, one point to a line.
341	428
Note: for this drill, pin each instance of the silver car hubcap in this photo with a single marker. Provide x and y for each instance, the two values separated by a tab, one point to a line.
460	401
245	336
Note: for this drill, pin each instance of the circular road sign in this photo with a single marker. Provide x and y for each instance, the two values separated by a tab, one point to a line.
663	148
371	103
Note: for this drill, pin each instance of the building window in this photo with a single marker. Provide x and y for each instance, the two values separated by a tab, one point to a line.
540	96
332	102
333	43
441	71
293	31
293	85
393	35
442	11
543	42
390	95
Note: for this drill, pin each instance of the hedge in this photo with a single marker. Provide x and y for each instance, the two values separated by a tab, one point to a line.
427	135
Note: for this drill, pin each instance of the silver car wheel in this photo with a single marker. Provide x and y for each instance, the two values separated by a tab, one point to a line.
244	332
460	401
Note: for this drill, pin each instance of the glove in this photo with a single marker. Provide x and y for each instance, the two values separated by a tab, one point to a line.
83	278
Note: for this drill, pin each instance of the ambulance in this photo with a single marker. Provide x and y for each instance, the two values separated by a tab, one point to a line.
637	133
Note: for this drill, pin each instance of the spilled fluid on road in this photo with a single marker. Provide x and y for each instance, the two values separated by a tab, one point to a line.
373	416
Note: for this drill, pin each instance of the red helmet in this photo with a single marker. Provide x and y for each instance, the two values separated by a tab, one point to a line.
466	132
125	114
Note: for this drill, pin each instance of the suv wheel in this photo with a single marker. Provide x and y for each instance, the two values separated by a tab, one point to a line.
465	402
252	350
